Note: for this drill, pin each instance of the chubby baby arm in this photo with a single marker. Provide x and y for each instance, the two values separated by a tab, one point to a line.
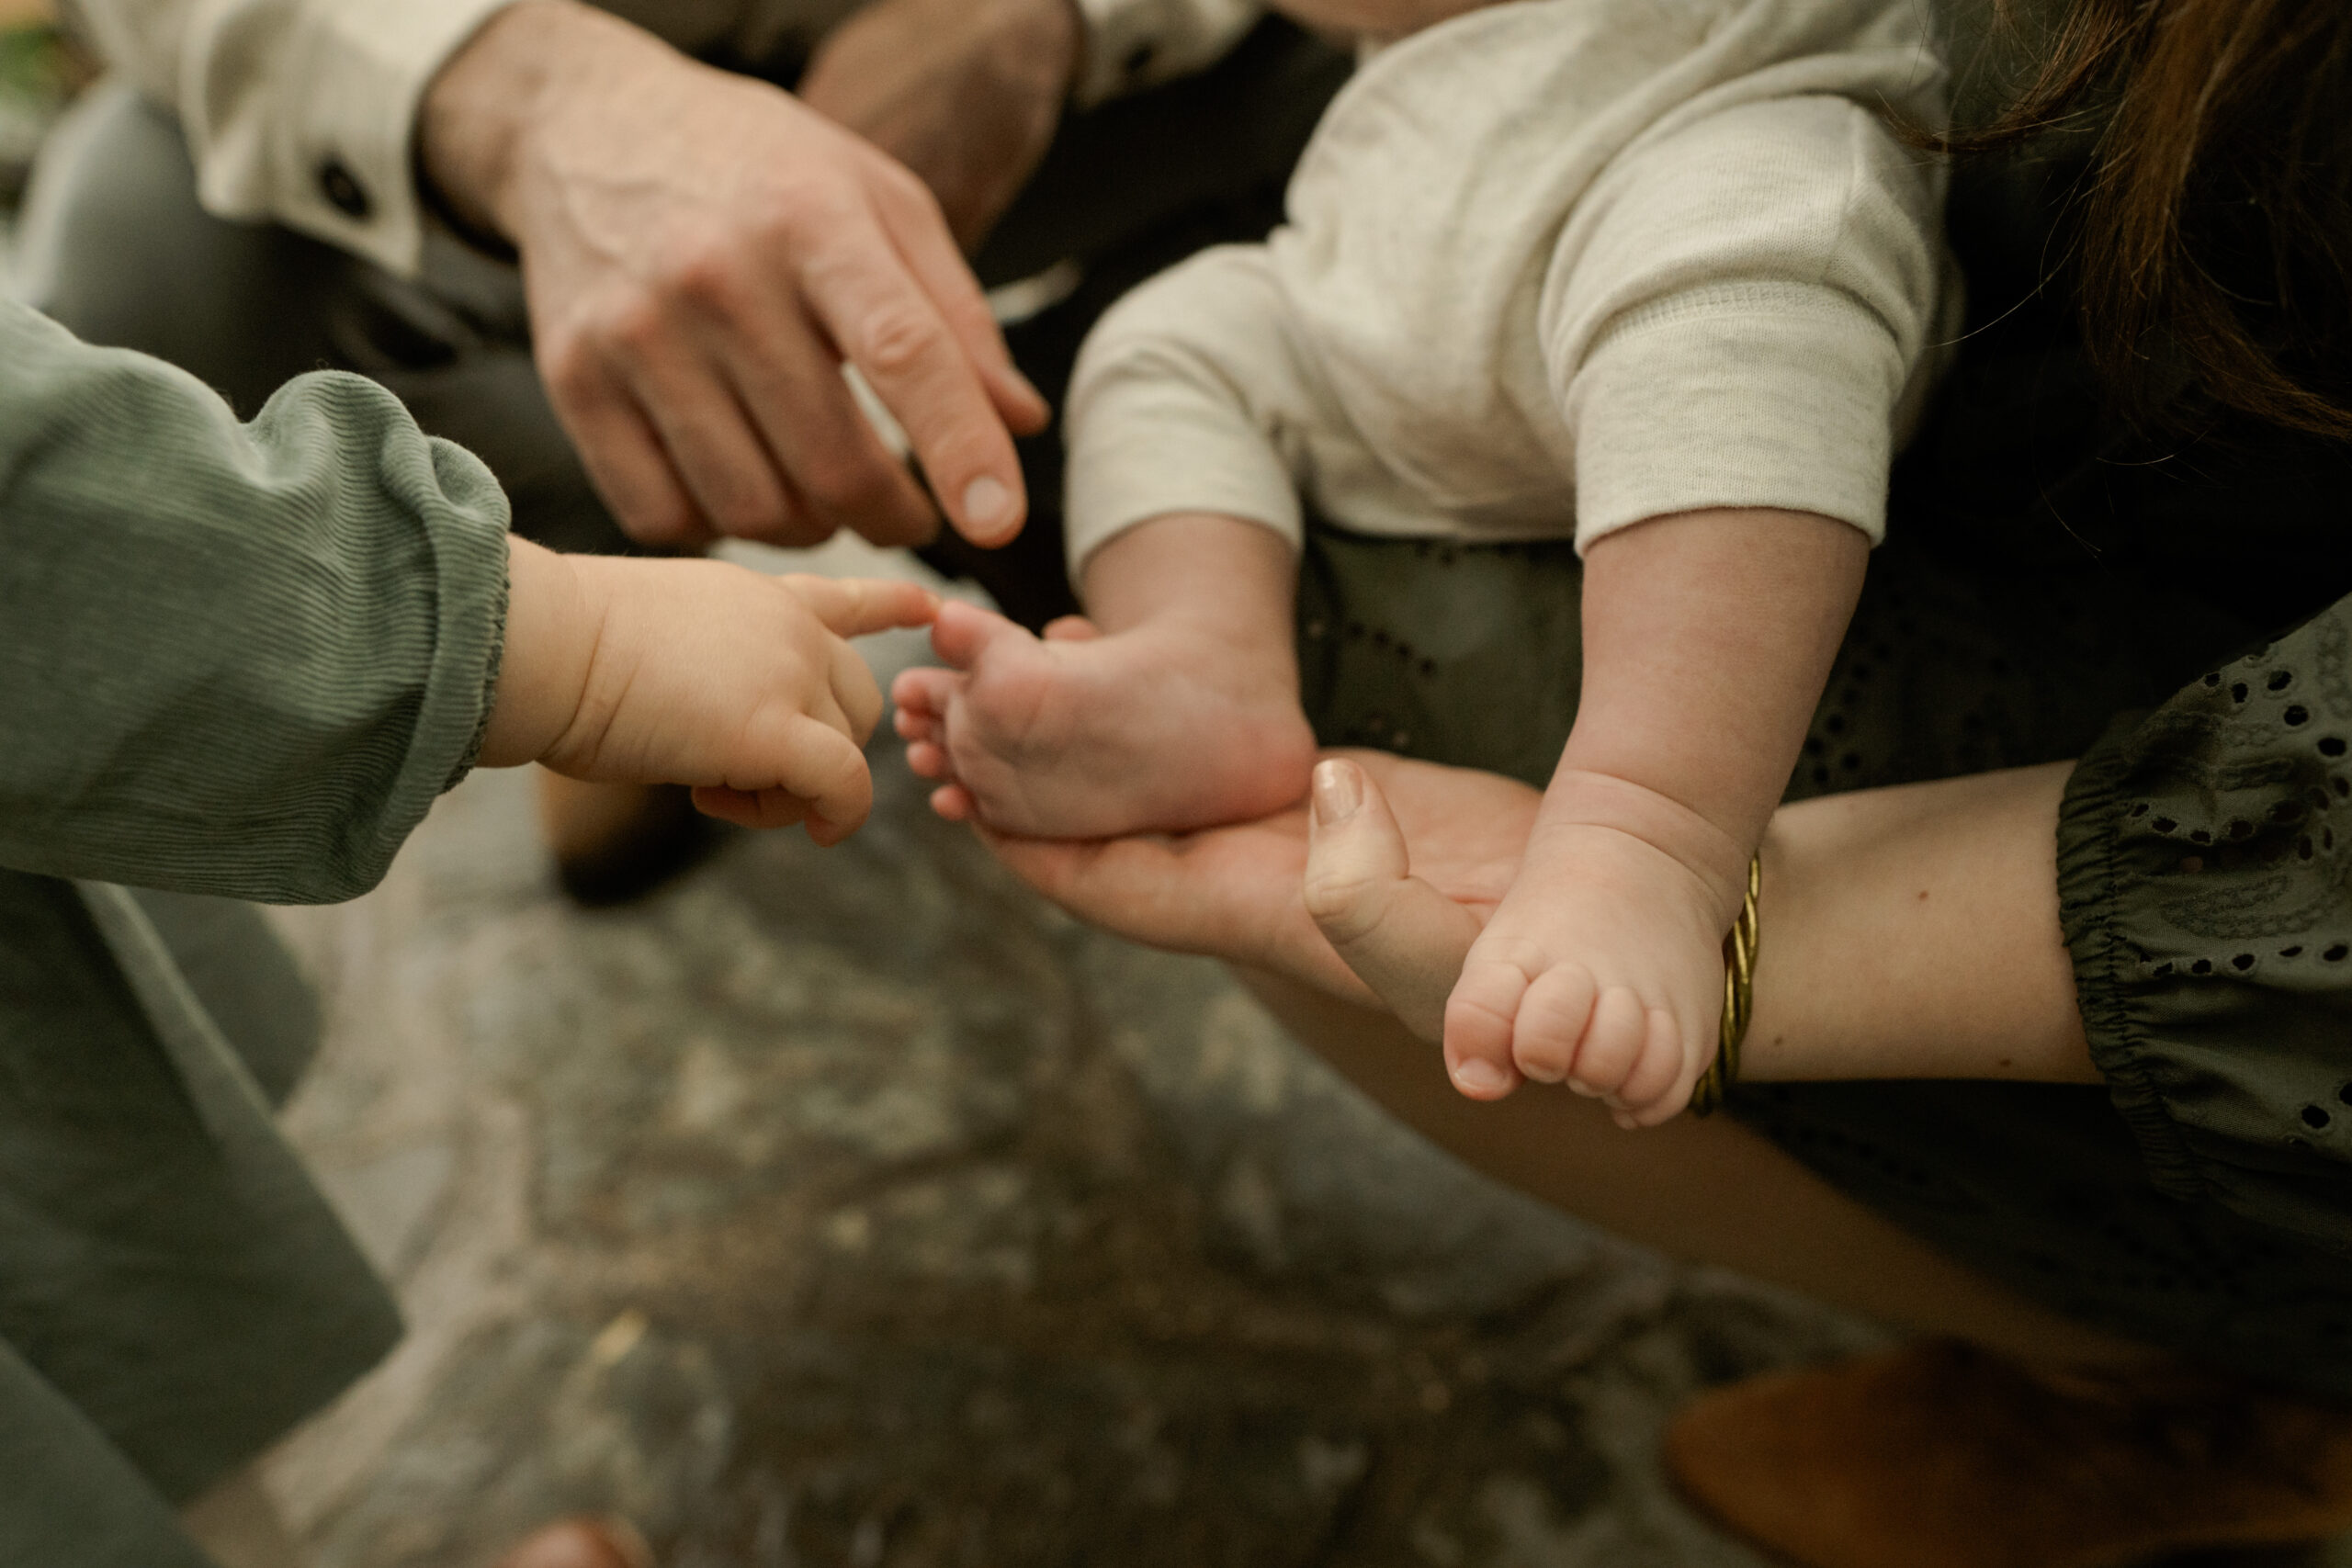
1708	635
700	674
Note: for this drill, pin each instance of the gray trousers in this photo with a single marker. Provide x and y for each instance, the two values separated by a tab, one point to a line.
174	1293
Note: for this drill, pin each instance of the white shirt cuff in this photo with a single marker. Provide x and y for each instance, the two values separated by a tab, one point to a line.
1132	44
1751	394
325	142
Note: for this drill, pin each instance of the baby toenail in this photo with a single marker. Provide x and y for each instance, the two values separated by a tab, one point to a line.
1480	1077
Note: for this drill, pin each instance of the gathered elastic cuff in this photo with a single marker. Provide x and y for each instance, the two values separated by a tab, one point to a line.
491	668
2096	884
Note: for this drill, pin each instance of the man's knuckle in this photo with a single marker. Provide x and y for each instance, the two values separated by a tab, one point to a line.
896	340
637	327
744	516
574	372
1341	905
900	184
845	484
806	215
706	275
659	520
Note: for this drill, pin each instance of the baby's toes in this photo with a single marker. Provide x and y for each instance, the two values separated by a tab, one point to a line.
1612	1042
929	759
923	692
1659	1085
1478	1020
964	634
1552	1020
955	803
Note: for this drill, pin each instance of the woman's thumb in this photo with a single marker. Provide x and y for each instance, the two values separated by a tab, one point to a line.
1401	936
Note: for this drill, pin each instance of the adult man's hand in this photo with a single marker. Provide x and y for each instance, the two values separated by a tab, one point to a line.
701	253
964	93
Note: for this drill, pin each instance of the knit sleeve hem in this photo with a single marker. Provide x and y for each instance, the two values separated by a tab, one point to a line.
477	637
1750	394
1185	400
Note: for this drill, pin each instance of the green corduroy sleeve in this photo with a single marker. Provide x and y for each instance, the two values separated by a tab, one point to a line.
2205	882
234	659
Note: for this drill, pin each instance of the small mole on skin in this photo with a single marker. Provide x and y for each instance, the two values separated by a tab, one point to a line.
1923	896
2006	1063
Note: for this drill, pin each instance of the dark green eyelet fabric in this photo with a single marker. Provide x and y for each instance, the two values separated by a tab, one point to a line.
2193	1205
2207	890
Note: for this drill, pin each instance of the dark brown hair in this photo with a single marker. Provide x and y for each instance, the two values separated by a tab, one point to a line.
2215	225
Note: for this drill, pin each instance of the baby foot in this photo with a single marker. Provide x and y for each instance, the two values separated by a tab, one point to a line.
1603	967
1161	728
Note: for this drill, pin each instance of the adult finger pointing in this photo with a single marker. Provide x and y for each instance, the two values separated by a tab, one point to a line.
888	325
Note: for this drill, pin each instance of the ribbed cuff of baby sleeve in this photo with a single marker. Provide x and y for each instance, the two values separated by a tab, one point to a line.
1744	395
1146	451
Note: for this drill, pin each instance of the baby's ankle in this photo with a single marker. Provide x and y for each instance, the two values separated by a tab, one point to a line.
1580	800
1250	660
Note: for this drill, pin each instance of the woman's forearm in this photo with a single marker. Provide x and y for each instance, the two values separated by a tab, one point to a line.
1912	932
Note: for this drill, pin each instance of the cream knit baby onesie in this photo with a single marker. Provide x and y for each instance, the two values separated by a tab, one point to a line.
1551	268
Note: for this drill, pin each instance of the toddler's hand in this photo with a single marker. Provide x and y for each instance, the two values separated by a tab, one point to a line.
701	674
1603	967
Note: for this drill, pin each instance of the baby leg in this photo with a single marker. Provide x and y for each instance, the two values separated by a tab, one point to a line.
1707	639
1174	707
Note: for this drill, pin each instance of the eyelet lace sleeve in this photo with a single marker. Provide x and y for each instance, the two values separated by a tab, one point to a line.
2205	875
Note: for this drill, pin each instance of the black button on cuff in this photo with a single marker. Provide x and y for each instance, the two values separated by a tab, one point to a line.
343	192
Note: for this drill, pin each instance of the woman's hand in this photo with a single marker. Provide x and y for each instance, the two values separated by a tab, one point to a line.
1245	893
1910	933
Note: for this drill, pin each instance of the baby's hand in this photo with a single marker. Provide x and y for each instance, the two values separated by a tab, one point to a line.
1603	967
701	674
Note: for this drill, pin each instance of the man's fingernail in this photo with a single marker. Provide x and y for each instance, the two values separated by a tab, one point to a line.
1338	793
987	501
1479	1077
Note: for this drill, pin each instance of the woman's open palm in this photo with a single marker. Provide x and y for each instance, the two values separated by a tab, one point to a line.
1239	893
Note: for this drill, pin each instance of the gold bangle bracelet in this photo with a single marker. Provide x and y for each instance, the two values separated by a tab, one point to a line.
1739	998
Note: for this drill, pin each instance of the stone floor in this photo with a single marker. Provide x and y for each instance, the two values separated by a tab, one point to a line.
854	1207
